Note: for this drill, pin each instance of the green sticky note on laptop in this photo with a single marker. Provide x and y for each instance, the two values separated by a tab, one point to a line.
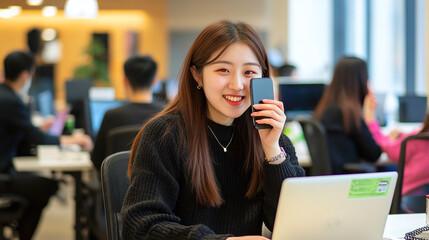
369	187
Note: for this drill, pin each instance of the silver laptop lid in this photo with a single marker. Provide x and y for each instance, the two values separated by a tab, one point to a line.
353	206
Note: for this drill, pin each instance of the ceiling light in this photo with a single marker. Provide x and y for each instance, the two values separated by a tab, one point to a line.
5	13
81	8
34	2
49	34
15	10
49	11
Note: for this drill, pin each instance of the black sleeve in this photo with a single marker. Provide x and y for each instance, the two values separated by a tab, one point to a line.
273	179
367	148
20	120
147	211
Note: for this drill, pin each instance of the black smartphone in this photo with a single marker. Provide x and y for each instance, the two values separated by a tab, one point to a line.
260	88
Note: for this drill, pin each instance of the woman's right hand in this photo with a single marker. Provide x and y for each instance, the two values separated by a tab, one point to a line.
78	138
395	134
248	238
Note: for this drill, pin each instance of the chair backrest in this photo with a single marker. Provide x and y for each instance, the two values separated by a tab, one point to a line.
396	202
314	134
121	138
114	184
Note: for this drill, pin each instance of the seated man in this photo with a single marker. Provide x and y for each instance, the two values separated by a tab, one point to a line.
139	78
16	126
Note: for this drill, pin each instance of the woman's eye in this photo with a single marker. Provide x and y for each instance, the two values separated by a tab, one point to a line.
249	72
223	70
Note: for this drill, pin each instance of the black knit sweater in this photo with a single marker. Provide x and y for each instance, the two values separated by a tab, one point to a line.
160	203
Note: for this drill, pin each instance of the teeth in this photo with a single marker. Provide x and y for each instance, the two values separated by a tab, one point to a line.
234	99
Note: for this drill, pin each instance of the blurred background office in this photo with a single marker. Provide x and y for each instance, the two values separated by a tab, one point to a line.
87	41
312	34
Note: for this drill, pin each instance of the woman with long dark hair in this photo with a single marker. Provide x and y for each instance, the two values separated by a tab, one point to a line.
340	112
199	169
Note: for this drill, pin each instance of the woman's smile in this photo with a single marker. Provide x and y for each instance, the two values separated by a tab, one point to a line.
234	99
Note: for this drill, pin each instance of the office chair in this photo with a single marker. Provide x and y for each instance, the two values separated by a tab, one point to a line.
314	134
419	201
114	184
121	138
118	139
11	209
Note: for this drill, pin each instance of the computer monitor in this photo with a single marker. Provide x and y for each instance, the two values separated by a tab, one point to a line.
77	96
412	108
300	98
97	109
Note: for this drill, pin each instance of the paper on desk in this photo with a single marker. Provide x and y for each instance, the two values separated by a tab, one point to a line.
48	152
397	225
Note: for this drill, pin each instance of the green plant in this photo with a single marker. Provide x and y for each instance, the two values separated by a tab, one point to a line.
97	69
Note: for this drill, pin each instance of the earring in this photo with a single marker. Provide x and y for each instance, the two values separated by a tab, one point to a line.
198	87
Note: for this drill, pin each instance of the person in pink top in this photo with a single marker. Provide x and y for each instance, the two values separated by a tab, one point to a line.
416	169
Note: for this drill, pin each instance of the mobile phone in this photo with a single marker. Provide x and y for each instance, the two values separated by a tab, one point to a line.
260	88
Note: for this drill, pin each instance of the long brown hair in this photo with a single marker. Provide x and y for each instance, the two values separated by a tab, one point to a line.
347	90
192	105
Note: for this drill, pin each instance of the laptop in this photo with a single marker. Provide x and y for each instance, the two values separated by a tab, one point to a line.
59	122
334	207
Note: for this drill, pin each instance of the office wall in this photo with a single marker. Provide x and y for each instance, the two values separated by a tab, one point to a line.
154	38
268	16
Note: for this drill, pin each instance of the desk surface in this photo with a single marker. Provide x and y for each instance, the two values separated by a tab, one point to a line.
399	224
69	161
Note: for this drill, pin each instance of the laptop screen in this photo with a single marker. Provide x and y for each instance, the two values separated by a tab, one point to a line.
57	126
97	110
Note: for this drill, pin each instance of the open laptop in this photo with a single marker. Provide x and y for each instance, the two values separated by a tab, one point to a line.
59	122
334	207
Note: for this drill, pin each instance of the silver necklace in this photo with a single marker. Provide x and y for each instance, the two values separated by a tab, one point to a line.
214	135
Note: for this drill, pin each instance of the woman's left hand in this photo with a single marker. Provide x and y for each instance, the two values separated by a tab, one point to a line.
273	110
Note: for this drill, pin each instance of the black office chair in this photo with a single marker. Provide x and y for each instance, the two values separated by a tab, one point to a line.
121	138
118	139
314	134
419	201
11	209
114	184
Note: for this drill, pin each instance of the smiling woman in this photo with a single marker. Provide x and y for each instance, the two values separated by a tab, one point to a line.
190	175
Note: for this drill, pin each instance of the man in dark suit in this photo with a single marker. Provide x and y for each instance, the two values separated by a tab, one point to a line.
15	127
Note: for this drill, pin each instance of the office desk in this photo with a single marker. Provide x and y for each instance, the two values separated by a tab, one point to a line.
73	163
399	224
